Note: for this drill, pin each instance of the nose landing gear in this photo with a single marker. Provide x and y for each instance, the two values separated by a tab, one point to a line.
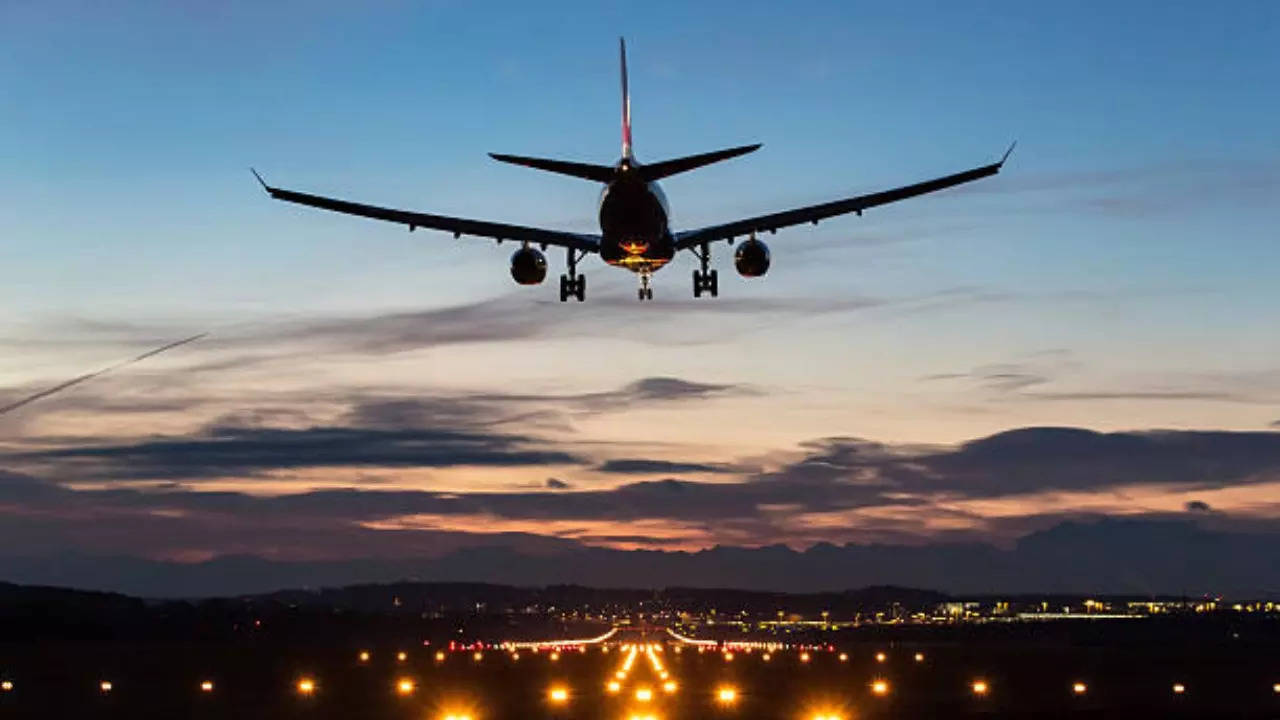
645	292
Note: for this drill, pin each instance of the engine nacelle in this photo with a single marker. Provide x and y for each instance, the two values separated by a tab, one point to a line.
528	266
751	258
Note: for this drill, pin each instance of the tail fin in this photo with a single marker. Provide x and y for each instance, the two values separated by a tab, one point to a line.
626	101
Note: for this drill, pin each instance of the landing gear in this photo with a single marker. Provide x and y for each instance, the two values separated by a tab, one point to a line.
645	292
705	280
573	284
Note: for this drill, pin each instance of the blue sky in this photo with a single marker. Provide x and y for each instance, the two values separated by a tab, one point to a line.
1119	275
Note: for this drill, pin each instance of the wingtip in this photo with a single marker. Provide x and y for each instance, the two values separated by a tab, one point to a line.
261	182
1008	152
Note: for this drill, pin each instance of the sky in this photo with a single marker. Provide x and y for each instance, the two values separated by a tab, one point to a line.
363	391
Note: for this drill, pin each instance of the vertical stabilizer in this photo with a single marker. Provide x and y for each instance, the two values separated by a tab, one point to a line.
626	101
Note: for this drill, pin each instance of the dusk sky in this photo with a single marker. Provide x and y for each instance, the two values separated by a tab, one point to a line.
365	391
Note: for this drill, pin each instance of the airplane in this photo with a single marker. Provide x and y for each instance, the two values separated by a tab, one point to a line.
633	213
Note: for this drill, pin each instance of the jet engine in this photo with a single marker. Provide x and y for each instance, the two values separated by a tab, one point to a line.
528	266
751	258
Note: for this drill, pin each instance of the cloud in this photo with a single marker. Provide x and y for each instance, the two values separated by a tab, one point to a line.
1197	506
238	451
556	484
632	466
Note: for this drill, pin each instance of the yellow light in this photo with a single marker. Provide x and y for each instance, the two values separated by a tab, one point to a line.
728	657
440	656
555	656
727	695
1079	688
515	656
980	687
306	686
402	656
6	686
919	657
804	657
1276	688
644	694
477	656
456	716
844	657
621	675
613	686
559	695
206	686
766	657
880	687
105	686
1179	688
364	656
827	716
669	686
678	650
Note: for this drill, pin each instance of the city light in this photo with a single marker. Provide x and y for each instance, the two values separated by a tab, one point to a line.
614	686
6	686
844	657
402	656
206	686
880	687
1079	688
804	657
727	695
477	656
105	686
405	687
558	695
1179	688
669	686
919	657
980	687
439	656
644	694
306	686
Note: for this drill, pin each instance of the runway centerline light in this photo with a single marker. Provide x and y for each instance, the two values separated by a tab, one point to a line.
669	686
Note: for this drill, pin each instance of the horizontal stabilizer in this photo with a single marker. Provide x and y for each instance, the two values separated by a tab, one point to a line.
659	170
599	173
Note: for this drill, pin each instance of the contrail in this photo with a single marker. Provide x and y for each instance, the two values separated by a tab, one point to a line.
76	381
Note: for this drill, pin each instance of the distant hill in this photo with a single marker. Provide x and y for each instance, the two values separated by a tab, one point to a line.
1130	557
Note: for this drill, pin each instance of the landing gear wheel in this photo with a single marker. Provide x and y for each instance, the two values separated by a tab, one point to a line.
581	287
697	284
564	288
713	283
573	287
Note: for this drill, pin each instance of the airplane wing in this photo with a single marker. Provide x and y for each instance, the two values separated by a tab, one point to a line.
457	226
814	213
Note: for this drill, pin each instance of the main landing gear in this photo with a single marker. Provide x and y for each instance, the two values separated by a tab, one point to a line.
573	284
645	292
705	280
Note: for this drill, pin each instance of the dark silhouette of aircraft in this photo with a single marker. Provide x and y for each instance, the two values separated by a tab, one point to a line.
634	231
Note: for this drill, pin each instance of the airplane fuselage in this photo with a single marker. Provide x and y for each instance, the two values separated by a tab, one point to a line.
635	223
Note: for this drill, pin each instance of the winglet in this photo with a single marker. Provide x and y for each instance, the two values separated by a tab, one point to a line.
261	182
1012	145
